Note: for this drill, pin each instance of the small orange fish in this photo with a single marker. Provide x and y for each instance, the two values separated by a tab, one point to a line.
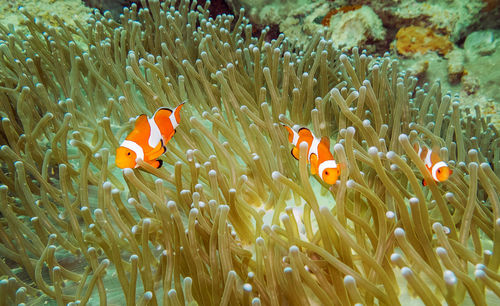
318	154
148	138
438	169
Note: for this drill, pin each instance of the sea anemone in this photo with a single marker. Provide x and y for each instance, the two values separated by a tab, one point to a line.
231	218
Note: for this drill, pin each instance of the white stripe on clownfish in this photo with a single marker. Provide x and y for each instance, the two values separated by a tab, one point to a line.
174	122
154	135
137	149
435	169
295	137
325	165
314	147
427	159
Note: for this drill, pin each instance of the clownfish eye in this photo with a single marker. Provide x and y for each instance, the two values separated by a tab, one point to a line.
326	172
128	153
439	171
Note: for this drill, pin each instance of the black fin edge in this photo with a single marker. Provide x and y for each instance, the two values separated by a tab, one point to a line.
161	163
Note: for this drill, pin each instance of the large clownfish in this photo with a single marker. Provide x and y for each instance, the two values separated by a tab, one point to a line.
318	154
148	138
438	169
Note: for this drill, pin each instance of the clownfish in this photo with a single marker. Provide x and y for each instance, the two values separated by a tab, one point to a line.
148	138
438	169
318	154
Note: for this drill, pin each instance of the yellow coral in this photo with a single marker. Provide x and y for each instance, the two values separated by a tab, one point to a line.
415	39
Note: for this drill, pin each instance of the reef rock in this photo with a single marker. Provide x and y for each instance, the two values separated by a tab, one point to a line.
356	27
67	10
480	43
482	58
456	60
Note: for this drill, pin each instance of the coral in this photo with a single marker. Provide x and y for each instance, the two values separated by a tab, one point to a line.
415	39
480	43
455	18
355	27
343	9
67	10
456	68
483	80
232	218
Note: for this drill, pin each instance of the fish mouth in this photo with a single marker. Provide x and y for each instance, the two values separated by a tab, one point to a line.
121	165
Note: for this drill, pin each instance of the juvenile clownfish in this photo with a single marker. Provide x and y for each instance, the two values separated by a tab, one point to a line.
318	154
438	169
148	138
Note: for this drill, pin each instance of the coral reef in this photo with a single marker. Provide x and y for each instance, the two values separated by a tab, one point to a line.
300	20
414	39
232	218
343	9
453	18
67	10
356	27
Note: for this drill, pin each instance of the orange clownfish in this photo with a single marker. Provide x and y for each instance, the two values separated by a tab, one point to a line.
148	138
438	169
318	153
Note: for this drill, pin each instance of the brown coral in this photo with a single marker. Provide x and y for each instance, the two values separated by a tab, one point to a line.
415	39
343	9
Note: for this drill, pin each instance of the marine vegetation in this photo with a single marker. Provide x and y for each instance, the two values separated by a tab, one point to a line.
231	217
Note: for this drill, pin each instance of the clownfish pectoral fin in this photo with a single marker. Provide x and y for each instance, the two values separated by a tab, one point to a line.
314	164
326	141
295	153
156	152
157	163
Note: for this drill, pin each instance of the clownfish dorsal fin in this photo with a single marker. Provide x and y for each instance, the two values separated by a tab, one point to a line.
141	122
163	112
304	132
290	133
435	155
177	112
425	149
326	141
416	146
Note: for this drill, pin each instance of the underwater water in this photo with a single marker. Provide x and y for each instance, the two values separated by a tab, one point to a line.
249	153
